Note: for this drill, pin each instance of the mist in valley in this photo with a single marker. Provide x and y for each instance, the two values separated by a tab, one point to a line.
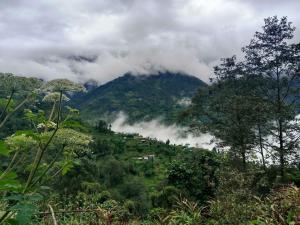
155	129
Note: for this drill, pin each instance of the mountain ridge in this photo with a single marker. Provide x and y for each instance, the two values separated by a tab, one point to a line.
141	97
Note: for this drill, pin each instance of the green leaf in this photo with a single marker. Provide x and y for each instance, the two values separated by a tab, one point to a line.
16	197
25	132
3	149
12	222
67	168
10	183
35	197
25	211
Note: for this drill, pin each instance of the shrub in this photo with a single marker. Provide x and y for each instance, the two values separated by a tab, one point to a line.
195	174
166	198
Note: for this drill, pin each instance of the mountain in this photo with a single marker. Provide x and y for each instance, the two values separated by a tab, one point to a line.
142	97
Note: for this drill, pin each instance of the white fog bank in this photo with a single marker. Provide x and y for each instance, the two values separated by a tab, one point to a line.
156	129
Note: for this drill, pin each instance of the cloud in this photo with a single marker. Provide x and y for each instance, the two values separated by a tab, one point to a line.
53	38
155	129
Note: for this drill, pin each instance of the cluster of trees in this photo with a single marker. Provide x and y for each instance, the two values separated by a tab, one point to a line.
252	104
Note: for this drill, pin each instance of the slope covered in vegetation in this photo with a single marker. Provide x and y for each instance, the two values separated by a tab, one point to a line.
58	169
140	97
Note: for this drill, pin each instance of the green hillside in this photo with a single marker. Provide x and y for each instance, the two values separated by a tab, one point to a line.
140	97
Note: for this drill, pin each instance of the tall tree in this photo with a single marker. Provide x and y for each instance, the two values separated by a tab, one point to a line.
224	109
270	55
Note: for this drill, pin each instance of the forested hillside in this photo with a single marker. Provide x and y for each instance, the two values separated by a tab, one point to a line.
141	97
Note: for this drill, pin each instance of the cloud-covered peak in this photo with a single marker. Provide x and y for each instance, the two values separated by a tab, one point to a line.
83	39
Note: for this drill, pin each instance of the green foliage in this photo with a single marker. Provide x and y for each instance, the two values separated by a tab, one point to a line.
15	93
25	207
272	55
21	142
20	85
29	147
54	97
59	85
102	126
165	198
140	97
135	190
73	142
252	105
113	172
186	212
226	110
279	207
103	197
9	182
4	151
195	174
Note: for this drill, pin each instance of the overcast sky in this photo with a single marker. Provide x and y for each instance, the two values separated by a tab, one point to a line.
103	39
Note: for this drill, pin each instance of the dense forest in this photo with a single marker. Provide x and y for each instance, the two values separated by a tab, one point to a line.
142	98
58	167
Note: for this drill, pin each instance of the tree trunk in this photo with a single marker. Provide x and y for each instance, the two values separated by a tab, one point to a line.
281	151
243	153
261	147
7	104
12	112
244	160
280	127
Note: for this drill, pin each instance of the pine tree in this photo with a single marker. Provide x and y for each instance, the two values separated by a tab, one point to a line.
271	56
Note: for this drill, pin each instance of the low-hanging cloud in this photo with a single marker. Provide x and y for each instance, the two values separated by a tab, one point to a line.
156	129
84	39
182	136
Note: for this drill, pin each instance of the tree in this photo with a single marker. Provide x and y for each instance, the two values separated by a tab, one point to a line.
113	172
102	126
252	105
271	56
225	109
194	174
135	190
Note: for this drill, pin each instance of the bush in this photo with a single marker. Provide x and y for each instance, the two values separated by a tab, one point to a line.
113	172
166	198
195	174
103	196
135	190
280	207
91	187
186	212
